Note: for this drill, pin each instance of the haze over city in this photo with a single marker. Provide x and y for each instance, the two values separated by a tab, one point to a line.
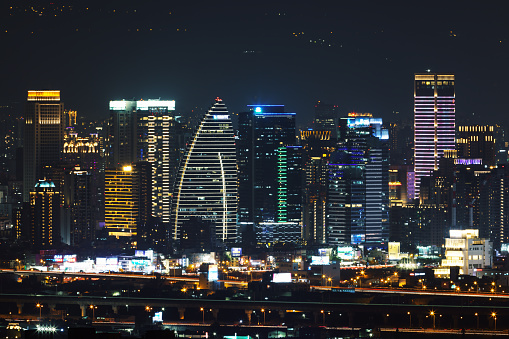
358	55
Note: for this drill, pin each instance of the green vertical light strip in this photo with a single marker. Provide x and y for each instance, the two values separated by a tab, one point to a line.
282	189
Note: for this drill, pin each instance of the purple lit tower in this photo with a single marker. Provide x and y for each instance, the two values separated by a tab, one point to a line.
434	121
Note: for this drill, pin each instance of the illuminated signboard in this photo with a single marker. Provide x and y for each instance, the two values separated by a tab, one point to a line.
220	116
345	253
117	105
282	278
58	258
158	317
319	260
474	161
236	252
145	105
70	258
213	273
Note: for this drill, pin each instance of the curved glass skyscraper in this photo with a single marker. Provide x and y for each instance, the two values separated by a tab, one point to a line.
206	185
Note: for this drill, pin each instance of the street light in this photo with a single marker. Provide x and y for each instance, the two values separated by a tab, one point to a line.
477	316
330	280
40	310
93	311
263	311
494	315
432	313
202	315
410	321
323	317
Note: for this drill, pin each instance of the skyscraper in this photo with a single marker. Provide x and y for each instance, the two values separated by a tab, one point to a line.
434	121
326	118
43	137
121	140
157	142
206	184
45	215
358	185
262	131
79	198
317	148
147	130
121	202
477	142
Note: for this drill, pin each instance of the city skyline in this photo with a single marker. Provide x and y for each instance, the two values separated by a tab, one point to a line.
366	68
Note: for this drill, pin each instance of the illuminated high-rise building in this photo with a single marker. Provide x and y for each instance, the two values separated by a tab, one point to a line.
206	184
358	183
44	215
147	130
157	142
80	200
326	118
317	147
262	130
477	142
434	121
43	136
121	202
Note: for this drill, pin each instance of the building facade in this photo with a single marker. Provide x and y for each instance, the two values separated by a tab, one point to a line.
43	136
262	131
434	121
358	183
206	184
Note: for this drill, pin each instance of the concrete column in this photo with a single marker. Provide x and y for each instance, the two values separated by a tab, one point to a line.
420	317
282	314
316	315
114	309
249	313
182	310
455	320
214	313
83	310
20	308
351	318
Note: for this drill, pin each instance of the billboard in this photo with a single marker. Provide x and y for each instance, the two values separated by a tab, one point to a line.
213	273
236	252
282	278
319	260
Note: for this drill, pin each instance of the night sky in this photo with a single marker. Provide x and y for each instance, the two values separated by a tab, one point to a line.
360	55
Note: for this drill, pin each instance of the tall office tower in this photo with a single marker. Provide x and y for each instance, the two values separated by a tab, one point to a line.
121	140
477	142
206	185
501	146
401	138
358	187
317	148
148	232
79	199
44	215
158	133
289	179
85	152
121	202
147	130
43	136
449	198
434	121
326	118
262	130
494	204
71	118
